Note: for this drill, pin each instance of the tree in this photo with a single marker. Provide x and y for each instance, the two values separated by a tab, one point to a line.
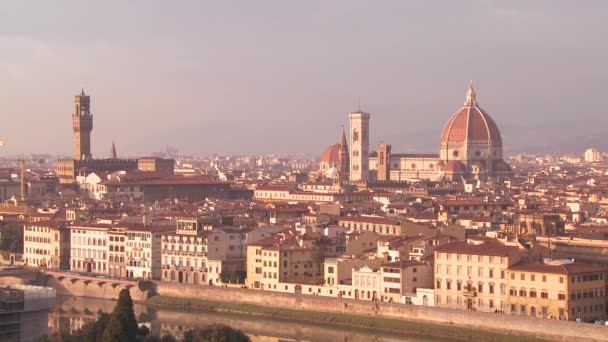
11	237
122	325
215	333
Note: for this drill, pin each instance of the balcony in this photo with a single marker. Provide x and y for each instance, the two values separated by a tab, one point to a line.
469	292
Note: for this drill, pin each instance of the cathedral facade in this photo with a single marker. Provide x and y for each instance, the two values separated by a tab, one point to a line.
470	147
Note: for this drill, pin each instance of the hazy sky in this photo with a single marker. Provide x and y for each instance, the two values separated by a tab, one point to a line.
281	76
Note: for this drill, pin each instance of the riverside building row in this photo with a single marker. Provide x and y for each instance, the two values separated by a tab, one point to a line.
487	275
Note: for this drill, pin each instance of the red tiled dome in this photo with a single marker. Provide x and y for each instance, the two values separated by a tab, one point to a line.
471	123
331	154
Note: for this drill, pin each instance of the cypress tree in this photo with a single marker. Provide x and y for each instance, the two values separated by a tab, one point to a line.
122	325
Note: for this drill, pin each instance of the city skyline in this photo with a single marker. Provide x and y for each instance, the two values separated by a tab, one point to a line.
272	80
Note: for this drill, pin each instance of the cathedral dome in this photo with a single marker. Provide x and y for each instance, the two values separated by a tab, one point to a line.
471	124
331	155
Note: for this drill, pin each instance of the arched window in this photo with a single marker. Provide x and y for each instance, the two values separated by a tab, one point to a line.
355	135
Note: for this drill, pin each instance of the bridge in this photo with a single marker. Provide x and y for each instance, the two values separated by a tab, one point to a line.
79	285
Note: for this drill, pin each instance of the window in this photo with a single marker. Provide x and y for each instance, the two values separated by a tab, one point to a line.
480	288
544	294
513	276
532	293
532	277
438	285
522	276
561	279
491	289
561	296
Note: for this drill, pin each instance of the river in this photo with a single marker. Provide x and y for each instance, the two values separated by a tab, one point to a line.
71	313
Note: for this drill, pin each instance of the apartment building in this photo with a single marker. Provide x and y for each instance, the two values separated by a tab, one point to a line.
89	248
117	265
143	250
473	276
559	289
400	279
46	244
374	224
283	259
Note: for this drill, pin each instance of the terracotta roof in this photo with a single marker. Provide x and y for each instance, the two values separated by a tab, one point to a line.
572	268
167	180
502	166
371	219
493	249
416	155
455	166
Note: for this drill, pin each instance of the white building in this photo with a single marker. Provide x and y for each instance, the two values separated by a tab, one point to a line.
89	248
143	250
592	156
367	283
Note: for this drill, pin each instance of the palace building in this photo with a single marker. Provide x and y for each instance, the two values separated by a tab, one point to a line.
68	170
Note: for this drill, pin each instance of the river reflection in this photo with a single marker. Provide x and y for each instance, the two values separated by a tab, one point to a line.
71	313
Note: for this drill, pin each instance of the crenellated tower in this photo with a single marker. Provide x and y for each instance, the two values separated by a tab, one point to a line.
82	123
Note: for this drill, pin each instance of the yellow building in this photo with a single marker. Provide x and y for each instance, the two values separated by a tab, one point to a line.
46	244
292	260
558	290
380	225
473	276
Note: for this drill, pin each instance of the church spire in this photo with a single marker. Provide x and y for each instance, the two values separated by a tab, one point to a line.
471	99
344	157
82	91
113	151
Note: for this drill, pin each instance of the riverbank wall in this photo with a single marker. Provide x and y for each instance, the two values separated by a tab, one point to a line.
500	323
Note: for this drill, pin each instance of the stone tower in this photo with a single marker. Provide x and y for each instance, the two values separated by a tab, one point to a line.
82	122
344	158
384	158
359	146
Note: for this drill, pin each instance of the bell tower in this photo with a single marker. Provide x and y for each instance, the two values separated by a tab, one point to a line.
82	123
359	146
384	165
